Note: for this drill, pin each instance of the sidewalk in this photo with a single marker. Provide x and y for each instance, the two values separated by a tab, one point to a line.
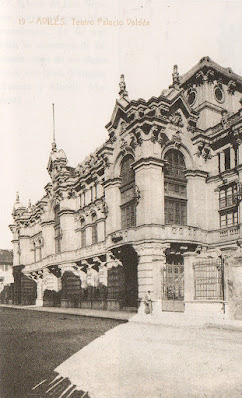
142	360
116	315
174	319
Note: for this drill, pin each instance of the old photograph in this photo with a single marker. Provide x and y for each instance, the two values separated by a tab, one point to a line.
121	202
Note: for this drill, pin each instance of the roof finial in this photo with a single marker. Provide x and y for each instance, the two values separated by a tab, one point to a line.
175	77
17	197
123	93
53	142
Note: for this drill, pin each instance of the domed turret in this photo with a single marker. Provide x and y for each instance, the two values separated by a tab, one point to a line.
17	205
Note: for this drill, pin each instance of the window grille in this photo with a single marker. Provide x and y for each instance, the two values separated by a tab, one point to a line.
208	280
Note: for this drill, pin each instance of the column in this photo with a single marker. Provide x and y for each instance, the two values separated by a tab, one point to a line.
113	201
189	258
233	285
149	178
40	292
152	260
197	198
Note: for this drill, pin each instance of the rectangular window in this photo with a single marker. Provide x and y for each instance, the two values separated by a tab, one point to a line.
219	164
235	157
228	196
94	233
128	215
83	237
227	164
175	211
229	218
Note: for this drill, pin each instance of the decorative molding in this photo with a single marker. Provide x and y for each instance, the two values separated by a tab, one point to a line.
148	161
232	85
176	119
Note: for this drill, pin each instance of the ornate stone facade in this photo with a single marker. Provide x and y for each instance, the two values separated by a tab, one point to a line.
137	213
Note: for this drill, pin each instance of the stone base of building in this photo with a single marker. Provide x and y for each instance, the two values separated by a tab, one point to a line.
99	305
113	305
39	303
216	309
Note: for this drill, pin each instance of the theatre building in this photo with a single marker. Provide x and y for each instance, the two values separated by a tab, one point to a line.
157	207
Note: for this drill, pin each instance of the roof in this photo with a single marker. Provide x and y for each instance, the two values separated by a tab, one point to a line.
208	62
6	256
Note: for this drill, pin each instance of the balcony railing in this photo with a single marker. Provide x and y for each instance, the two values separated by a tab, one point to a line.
230	231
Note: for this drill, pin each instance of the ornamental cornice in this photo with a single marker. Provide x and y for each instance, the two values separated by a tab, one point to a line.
147	162
112	182
196	173
98	206
66	211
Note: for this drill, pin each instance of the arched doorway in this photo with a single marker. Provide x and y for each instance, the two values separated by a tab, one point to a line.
123	280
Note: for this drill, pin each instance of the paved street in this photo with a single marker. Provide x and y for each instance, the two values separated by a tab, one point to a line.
61	355
33	344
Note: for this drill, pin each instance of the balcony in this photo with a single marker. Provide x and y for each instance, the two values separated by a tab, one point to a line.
67	257
228	232
164	233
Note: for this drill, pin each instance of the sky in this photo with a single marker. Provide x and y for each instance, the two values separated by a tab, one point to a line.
72	53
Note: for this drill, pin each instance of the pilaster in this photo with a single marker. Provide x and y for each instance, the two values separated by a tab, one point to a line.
113	201
149	178
189	258
152	259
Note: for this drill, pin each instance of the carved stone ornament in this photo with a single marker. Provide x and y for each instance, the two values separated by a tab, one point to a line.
210	76
176	119
123	126
105	209
136	138
117	237
204	151
177	138
137	194
71	194
105	161
199	78
154	132
191	125
112	137
224	119
232	87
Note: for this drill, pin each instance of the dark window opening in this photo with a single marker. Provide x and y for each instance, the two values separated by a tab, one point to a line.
175	188
94	229
127	189
227	164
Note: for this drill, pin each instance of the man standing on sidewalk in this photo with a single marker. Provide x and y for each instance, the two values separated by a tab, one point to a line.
148	303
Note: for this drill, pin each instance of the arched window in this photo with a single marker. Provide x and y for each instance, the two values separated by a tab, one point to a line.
83	232
175	188
94	228
127	189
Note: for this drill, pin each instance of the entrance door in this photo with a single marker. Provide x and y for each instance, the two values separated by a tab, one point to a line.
173	288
